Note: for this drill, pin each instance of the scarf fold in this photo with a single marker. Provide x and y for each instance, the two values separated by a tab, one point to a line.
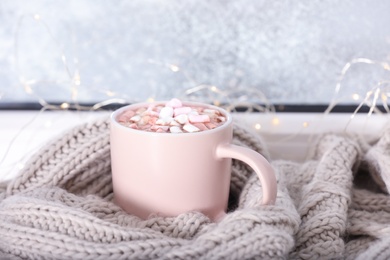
333	205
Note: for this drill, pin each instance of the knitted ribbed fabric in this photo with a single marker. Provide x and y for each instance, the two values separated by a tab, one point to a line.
60	207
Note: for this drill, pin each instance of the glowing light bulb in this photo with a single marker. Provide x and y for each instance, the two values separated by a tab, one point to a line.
174	68
37	17
64	106
257	126
214	89
305	124
275	121
76	78
355	96
28	89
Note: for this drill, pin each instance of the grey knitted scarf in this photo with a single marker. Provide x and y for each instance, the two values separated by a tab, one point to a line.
334	205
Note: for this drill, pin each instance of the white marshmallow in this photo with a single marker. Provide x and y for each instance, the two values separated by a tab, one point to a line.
193	112
209	111
135	118
174	123
175	129
190	128
166	112
164	121
221	118
182	119
174	102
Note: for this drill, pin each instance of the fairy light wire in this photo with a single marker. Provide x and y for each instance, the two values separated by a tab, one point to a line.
74	79
345	70
251	98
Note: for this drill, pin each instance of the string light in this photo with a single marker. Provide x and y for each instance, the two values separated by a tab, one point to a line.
246	97
275	121
355	96
64	106
174	68
77	82
381	64
28	89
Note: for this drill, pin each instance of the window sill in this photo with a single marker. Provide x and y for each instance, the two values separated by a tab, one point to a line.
287	135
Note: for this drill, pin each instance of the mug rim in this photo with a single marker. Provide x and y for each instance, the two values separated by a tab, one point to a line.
115	113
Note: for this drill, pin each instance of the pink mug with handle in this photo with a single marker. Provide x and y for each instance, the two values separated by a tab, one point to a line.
172	173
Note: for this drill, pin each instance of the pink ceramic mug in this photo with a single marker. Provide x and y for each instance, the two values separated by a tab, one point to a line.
169	174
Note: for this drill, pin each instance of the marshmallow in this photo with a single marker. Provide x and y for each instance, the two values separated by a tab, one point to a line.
144	120
164	121
210	111
172	117
153	113
140	110
163	127
175	129
193	112
166	112
221	118
135	118
174	123
181	110
134	126
199	118
182	119
210	125
190	128
174	102
153	120
201	126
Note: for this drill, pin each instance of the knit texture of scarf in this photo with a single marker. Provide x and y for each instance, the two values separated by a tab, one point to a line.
333	205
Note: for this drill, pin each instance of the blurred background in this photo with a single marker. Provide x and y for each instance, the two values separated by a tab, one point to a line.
295	56
287	52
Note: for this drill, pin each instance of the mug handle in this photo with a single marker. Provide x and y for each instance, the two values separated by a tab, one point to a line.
258	163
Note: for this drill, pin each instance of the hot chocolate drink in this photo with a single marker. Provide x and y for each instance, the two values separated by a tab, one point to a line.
172	117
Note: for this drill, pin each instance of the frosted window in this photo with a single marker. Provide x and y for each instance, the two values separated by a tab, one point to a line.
292	51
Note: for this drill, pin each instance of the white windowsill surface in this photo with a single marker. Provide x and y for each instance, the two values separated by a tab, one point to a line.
287	135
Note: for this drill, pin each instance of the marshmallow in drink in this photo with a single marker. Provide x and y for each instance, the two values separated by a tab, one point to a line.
182	119
135	118
182	110
166	112
175	129
199	118
190	128
174	102
172	117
